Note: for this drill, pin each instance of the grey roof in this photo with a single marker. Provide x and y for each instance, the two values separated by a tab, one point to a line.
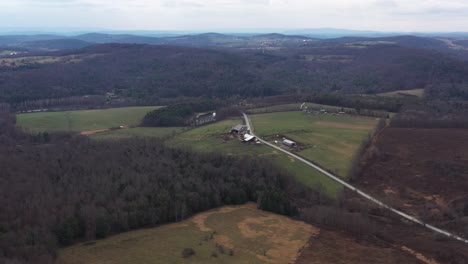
238	127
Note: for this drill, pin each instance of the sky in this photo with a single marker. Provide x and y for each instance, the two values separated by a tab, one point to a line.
377	15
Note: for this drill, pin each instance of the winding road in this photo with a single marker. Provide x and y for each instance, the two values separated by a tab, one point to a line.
356	190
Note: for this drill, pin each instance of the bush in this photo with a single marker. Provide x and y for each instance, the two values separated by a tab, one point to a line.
188	252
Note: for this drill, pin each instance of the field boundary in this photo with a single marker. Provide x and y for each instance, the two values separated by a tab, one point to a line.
356	190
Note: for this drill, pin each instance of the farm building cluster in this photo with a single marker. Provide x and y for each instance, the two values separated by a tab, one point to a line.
243	134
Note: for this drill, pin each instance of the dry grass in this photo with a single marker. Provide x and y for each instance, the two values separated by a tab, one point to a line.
252	235
343	125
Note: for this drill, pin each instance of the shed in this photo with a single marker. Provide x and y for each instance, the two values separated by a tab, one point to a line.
289	143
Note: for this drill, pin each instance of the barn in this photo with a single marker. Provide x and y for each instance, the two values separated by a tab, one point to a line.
289	143
238	129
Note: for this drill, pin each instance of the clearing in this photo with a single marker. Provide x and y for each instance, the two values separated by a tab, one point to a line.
215	138
329	140
83	120
405	93
253	236
245	235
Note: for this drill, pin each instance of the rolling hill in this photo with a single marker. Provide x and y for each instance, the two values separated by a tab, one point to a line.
149	72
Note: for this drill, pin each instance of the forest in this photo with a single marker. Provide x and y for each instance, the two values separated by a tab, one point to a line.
433	114
148	73
58	189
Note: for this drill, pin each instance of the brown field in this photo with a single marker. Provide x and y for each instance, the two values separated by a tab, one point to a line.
343	125
423	172
331	247
245	234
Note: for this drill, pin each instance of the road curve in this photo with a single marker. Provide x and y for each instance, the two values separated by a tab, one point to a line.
358	191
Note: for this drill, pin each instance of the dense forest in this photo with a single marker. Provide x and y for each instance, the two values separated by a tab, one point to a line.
433	114
57	189
148	73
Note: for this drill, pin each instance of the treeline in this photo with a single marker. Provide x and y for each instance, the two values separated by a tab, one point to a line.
356	165
433	114
73	189
371	105
177	115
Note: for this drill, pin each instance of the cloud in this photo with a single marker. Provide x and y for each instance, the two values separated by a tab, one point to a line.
211	14
385	4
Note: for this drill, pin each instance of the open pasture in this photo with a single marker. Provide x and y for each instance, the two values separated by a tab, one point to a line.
331	141
83	120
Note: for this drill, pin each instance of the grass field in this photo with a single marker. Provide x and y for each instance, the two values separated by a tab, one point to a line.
405	93
138	132
254	236
329	140
296	107
83	120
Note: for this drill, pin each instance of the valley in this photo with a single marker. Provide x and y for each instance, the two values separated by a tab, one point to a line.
233	148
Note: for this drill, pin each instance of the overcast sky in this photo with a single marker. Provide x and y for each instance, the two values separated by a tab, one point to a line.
381	15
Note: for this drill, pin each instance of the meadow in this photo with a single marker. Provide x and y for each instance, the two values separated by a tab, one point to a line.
83	120
231	234
405	93
331	141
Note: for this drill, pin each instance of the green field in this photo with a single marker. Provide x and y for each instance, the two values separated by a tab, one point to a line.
296	107
329	140
138	132
215	138
253	236
83	120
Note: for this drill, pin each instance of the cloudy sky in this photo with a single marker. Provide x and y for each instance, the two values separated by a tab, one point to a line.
382	15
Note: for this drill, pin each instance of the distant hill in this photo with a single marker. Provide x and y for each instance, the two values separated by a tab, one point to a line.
409	41
55	44
463	42
336	33
147	72
253	42
108	38
18	39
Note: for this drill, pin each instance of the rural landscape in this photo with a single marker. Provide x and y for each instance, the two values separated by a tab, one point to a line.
280	145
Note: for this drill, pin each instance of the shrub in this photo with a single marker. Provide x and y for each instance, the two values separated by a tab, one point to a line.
188	252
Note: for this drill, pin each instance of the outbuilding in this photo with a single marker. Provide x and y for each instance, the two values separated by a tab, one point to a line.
249	138
289	143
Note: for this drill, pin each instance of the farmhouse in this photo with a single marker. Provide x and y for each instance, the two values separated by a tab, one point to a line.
238	129
202	119
289	143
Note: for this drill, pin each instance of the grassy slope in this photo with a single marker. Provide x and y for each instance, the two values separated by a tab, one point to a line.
85	120
331	141
253	235
403	93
